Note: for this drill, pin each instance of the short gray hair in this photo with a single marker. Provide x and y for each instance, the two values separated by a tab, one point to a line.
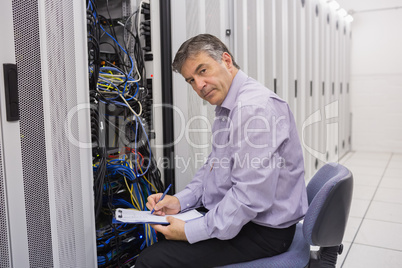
201	43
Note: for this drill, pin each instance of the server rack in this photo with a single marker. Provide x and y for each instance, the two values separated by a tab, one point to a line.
296	49
46	156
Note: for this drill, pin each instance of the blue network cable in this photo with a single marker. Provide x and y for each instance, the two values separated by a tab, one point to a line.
91	8
90	5
136	92
122	202
149	144
131	60
112	237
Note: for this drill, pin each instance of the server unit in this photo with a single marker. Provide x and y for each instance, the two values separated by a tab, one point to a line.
121	89
46	195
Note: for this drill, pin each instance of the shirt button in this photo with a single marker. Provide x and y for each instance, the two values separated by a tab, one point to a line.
204	189
188	205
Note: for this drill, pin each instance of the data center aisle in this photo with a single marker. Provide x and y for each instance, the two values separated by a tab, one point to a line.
373	236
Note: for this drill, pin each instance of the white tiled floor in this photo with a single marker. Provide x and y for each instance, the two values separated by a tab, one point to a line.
373	236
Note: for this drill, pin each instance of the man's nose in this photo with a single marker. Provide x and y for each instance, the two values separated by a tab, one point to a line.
199	83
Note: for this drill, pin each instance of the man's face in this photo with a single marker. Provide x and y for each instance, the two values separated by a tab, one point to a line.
209	78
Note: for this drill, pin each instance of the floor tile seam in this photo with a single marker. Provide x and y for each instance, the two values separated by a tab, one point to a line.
374	246
368	185
386	221
381	201
345	157
399	169
365	165
365	174
371	219
375	192
393	202
365	213
395	188
358	198
360	218
388	187
393	177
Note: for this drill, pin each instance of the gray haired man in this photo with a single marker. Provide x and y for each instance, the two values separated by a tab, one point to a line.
252	184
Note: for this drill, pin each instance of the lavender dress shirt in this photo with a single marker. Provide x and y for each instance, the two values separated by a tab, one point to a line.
255	171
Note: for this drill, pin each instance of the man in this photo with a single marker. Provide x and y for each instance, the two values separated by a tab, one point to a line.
253	181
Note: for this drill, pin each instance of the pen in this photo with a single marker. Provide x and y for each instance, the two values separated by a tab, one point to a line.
163	196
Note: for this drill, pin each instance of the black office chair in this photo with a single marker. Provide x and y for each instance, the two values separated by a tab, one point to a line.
329	197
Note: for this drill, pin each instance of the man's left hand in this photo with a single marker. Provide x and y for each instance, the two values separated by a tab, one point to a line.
173	231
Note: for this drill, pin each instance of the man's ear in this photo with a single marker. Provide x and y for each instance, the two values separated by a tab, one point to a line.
227	60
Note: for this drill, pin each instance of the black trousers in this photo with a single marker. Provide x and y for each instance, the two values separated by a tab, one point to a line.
253	242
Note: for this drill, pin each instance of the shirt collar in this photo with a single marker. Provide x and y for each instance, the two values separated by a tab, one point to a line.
230	101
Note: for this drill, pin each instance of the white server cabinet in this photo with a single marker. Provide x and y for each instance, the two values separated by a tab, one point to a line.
46	196
341	82
292	77
281	46
348	128
322	78
333	106
249	37
269	43
307	135
330	78
328	75
314	91
294	48
301	113
193	117
255	40
344	112
7	148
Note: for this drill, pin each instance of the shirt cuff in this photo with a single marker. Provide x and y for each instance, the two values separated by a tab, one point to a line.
187	199
196	230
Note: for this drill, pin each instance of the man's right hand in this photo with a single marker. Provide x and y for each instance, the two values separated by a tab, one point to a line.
168	205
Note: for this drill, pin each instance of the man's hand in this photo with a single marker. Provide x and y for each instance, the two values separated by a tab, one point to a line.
168	205
174	231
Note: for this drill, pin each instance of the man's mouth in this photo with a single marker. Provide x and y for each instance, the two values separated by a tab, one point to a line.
206	95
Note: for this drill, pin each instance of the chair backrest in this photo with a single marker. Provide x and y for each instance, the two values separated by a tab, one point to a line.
329	195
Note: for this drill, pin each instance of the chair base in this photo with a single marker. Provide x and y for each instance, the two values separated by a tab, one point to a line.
326	257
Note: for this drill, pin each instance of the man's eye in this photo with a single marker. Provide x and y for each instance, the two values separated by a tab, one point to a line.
203	71
190	81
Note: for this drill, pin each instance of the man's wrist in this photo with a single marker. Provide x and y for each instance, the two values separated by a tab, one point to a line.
186	199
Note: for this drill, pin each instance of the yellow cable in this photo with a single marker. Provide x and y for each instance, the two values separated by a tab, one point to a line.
130	165
131	195
135	198
142	203
147	179
135	204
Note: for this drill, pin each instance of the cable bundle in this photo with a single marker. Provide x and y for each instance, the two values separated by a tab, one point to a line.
125	171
